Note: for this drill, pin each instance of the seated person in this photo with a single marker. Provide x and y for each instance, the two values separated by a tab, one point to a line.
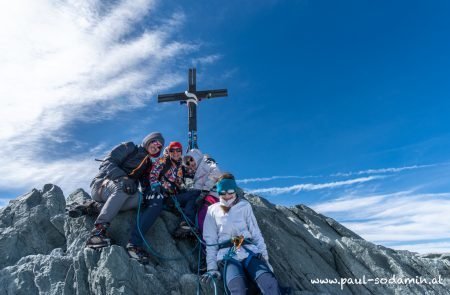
204	172
115	187
246	260
165	177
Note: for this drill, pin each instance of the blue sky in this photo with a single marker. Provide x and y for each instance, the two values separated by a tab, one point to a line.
342	106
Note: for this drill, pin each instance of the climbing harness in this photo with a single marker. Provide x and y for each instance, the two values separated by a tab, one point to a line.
234	244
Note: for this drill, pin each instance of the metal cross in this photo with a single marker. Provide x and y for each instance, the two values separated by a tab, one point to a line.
192	97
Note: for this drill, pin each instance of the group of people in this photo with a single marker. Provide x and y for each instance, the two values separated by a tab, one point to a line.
133	176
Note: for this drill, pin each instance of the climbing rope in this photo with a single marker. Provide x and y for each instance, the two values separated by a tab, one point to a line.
237	242
147	244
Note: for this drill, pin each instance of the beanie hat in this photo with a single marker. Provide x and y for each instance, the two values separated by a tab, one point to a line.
175	144
226	184
152	137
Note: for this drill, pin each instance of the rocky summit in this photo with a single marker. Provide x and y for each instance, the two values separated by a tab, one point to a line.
43	252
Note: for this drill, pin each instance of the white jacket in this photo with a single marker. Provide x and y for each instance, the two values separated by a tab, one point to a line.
221	227
207	171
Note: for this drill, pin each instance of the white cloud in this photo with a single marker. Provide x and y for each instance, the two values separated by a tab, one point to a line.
439	247
206	59
311	186
341	174
404	217
70	174
382	170
264	179
63	61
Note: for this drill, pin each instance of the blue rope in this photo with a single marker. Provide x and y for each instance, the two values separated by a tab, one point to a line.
177	205
228	256
213	280
199	241
149	247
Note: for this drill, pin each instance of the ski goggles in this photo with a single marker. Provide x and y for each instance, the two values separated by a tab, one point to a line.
175	150
228	192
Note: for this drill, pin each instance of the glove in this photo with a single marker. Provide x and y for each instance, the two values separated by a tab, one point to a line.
154	196
156	187
128	185
147	191
209	275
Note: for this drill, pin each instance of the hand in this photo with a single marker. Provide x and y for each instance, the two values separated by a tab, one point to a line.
156	187
128	185
209	275
199	200
147	192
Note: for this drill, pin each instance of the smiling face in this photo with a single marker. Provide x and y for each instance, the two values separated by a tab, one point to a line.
175	154
190	163
154	147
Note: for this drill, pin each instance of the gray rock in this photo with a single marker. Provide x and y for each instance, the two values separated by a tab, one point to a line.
436	256
45	254
36	274
30	225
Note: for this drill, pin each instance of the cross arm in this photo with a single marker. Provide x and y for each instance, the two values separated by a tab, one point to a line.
206	94
171	97
203	94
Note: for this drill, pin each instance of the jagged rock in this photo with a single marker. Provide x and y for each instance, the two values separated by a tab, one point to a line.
303	246
436	255
36	274
31	224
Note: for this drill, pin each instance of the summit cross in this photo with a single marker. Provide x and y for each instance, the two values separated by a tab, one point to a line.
192	97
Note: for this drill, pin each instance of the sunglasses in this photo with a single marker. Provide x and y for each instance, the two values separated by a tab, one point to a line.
228	192
156	144
188	161
175	150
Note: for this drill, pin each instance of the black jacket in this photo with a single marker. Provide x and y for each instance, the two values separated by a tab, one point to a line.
126	159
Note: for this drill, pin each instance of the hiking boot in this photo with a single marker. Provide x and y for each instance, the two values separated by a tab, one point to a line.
99	237
89	207
184	231
138	253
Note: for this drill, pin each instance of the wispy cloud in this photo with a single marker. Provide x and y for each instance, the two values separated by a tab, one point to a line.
382	170
435	247
311	186
263	179
403	218
206	59
339	174
65	62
